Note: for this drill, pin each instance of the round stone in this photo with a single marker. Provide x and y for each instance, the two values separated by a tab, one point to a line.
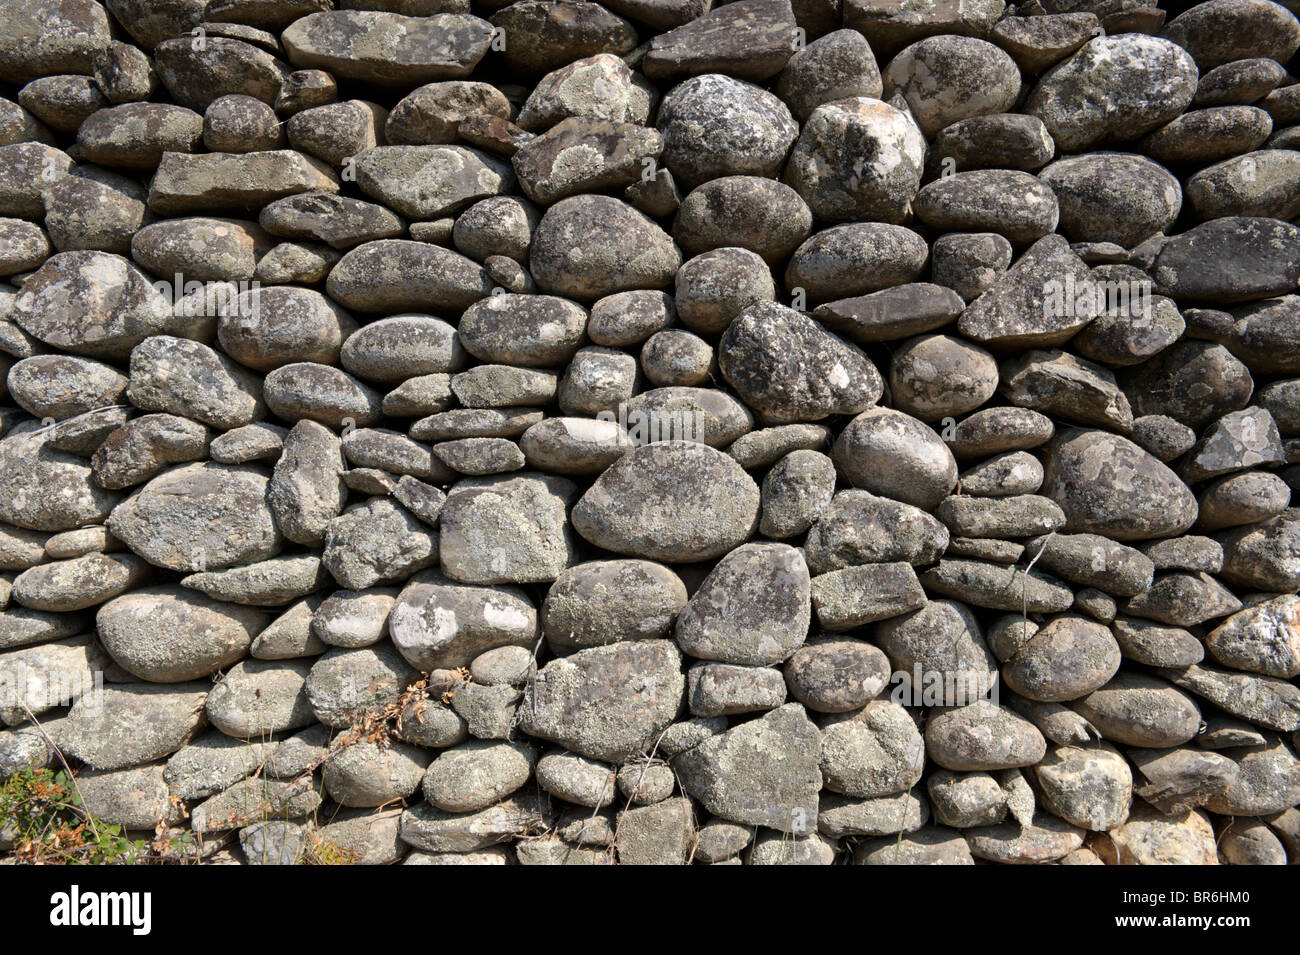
672	501
1107	485
858	159
714	125
1113	197
894	455
586	247
948	78
938	376
1116	87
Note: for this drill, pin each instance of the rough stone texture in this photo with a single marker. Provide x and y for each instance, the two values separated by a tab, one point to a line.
760	773
607	703
654	431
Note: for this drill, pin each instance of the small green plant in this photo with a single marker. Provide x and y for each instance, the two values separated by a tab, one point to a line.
42	816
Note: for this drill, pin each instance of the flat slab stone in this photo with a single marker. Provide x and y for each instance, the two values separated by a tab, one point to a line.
387	48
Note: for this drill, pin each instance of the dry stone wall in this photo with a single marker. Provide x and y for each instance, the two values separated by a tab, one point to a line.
664	431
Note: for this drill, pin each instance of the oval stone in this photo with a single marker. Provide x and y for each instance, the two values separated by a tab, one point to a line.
168	634
673	501
1107	485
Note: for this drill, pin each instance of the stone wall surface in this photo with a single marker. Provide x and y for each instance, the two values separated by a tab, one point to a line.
658	432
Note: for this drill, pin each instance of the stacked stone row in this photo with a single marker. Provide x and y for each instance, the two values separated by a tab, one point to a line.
784	431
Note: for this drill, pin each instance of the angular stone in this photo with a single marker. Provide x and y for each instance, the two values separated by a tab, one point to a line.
1265	782
752	41
763	772
1034	303
1175	780
584	155
600	87
377	542
559	33
1264	556
891	313
1238	440
1014	516
819	376
752	609
848	598
608	703
1262	700
725	689
1057	383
